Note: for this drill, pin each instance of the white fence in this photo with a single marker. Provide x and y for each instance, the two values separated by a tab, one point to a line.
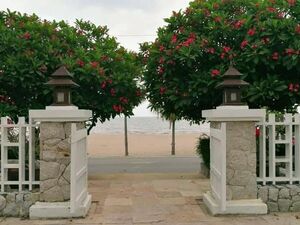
218	164
79	175
279	149
14	139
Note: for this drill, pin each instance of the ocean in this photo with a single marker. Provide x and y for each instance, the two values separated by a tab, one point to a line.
148	125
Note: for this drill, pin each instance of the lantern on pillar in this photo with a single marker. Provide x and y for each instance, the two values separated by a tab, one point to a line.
232	87
62	83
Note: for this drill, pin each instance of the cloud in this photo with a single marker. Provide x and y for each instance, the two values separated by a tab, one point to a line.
123	17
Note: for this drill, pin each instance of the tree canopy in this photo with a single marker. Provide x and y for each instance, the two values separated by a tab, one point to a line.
31	49
186	61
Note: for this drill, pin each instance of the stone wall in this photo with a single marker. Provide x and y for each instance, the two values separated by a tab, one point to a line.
280	198
241	161
55	150
17	204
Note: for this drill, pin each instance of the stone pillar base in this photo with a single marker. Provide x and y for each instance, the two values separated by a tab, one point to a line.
58	210
245	206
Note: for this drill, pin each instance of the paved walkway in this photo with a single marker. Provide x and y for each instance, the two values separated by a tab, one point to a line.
162	199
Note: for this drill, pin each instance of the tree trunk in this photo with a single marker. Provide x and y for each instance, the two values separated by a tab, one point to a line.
173	138
126	136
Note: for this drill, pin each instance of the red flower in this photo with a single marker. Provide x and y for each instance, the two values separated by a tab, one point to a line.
265	40
292	2
222	56
244	44
226	49
161	48
103	85
160	70
94	64
297	29
216	5
101	71
104	58
289	51
138	93
161	60
275	56
251	32
80	63
174	39
215	73
117	108
271	9
291	87
257	132
26	36
218	19
162	90
211	50
124	100
112	92
239	24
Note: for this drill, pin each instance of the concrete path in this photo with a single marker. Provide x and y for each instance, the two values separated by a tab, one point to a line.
170	164
154	199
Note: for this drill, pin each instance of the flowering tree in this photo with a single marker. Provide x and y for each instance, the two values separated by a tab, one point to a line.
261	37
31	50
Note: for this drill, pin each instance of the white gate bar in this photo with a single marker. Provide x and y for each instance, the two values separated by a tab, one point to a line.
297	146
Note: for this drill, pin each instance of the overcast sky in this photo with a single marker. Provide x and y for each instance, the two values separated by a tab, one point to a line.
131	21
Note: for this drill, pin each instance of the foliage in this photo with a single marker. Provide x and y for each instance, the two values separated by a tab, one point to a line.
32	49
203	149
186	61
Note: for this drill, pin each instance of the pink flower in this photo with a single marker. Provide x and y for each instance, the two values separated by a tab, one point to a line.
215	73
251	32
244	44
222	56
291	87
123	100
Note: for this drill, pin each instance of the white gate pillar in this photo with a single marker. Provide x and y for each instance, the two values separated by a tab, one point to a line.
55	159
240	188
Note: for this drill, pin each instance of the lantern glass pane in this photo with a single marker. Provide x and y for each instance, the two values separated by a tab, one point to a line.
233	96
60	97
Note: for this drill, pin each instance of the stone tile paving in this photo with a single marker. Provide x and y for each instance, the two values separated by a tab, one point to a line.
162	201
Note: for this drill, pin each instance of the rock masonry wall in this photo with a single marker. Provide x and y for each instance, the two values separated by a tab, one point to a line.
55	152
17	204
280	198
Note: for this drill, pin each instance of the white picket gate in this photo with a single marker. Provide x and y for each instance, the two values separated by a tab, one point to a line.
79	171
22	132
218	165
273	133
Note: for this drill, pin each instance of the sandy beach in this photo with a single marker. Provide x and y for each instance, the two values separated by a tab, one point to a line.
106	145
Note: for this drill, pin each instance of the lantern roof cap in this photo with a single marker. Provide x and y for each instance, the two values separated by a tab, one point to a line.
232	72
232	78
62	77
